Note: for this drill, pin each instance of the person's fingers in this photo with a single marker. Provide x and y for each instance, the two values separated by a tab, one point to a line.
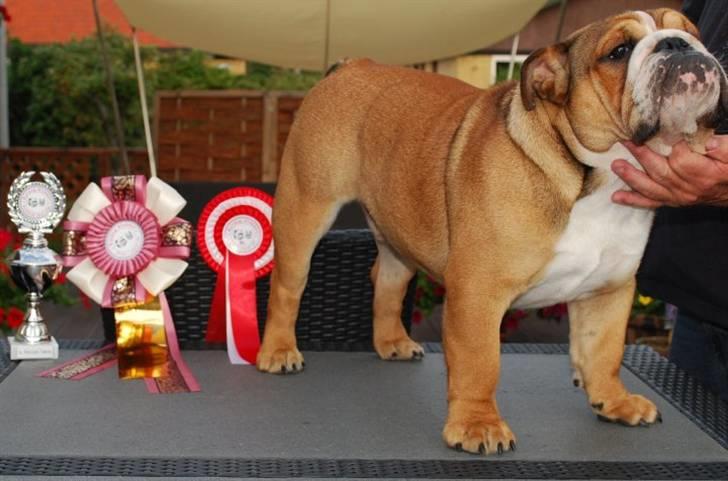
656	166
634	199
641	182
686	166
717	148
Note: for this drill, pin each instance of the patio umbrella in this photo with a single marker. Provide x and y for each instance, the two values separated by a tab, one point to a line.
312	34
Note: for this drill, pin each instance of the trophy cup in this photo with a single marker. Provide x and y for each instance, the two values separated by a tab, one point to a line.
36	207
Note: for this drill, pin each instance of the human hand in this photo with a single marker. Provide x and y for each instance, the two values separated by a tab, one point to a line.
683	178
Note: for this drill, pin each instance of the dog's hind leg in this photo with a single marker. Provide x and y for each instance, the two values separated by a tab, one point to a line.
390	276
299	222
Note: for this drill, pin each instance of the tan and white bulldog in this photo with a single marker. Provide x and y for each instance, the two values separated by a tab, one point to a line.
503	194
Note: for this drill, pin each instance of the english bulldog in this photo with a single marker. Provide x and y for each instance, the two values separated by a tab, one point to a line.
502	194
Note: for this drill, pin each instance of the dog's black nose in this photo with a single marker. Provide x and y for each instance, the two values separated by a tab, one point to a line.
672	45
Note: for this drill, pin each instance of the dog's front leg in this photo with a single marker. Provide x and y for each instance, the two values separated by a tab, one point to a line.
473	312
597	332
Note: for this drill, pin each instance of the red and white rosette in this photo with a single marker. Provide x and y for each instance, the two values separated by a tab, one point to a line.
236	240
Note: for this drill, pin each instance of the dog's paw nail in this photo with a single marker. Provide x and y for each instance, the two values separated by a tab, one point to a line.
644	424
303	364
393	355
598	406
576	383
481	448
459	447
604	419
512	445
283	369
500	449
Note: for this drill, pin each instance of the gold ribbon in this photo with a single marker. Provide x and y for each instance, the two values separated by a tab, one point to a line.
141	341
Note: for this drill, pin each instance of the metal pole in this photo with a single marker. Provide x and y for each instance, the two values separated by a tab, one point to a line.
143	100
4	115
562	14
326	36
514	51
119	126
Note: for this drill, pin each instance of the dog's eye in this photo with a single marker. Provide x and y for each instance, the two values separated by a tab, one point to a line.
621	51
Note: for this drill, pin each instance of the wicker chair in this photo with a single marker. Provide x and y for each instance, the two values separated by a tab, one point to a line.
336	308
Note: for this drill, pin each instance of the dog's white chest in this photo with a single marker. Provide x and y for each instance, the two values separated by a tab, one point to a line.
602	244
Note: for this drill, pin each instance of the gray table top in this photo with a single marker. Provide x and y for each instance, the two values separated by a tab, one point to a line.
346	406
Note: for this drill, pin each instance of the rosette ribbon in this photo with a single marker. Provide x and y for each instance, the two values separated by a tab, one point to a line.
236	240
126	245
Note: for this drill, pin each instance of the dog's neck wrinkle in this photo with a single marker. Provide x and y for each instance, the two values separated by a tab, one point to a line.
601	161
536	135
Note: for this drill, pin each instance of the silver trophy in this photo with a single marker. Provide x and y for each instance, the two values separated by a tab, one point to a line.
36	208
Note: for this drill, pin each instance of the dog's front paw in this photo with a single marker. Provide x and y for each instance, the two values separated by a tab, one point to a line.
402	349
480	436
630	410
280	361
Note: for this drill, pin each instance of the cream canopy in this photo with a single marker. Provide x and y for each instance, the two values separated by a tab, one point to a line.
311	34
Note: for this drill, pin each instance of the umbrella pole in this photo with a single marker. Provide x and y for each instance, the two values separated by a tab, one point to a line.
326	36
112	92
143	100
514	51
562	15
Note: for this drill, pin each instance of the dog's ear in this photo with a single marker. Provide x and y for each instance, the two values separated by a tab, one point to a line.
545	74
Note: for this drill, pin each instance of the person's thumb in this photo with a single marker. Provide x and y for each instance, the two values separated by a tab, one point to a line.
717	148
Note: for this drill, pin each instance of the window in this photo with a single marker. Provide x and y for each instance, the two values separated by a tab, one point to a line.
499	67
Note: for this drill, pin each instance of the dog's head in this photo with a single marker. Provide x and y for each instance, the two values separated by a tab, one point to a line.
642	76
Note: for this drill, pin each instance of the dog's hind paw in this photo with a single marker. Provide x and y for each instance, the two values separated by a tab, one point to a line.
403	349
280	361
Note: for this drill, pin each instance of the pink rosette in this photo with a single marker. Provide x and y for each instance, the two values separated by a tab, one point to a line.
141	220
126	245
124	240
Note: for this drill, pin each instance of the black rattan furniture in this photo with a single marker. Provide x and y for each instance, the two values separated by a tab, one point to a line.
336	309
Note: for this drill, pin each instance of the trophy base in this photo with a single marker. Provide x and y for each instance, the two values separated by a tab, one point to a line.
43	350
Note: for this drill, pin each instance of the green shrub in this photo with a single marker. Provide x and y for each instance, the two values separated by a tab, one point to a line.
58	94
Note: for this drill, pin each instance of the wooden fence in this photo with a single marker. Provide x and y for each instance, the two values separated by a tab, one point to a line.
200	135
229	135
